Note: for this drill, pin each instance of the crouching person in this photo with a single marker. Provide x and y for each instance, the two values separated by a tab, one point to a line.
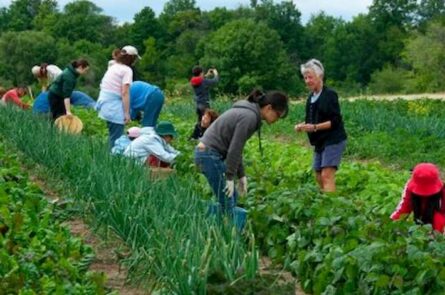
153	148
15	95
424	195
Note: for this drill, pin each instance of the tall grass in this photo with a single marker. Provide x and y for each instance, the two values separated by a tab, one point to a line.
164	223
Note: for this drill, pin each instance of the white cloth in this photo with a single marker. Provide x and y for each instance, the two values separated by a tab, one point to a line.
315	96
52	72
116	77
150	143
110	107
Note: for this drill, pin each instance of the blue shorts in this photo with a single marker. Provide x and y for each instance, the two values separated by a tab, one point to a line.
329	157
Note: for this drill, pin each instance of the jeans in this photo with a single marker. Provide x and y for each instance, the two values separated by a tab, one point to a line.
211	164
114	132
152	108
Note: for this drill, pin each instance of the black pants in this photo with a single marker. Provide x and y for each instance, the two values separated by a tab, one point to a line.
57	105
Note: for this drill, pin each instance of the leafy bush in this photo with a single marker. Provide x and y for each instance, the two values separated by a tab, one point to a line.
389	80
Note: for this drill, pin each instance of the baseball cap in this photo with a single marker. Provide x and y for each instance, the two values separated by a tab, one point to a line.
130	50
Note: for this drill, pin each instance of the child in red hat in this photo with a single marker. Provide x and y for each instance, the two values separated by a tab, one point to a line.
424	195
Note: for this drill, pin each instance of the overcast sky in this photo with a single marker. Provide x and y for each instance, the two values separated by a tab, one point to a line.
124	10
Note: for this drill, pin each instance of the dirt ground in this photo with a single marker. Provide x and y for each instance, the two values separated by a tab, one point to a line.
106	260
440	96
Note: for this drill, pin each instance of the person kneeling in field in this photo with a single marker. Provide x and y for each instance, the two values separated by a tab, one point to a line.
77	98
207	119
14	96
124	141
424	194
153	148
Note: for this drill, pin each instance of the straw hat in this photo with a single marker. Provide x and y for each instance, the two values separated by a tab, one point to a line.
71	124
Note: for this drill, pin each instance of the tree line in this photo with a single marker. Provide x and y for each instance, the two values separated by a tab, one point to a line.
397	46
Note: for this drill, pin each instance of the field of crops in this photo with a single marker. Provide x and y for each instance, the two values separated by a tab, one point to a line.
341	243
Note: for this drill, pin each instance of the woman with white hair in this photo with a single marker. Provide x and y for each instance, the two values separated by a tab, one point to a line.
46	74
323	124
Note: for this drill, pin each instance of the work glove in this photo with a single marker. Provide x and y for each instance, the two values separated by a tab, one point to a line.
242	185
230	188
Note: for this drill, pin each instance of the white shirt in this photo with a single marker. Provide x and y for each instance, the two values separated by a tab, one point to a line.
52	73
116	77
315	96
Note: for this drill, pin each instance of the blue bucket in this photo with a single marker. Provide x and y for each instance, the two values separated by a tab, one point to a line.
239	215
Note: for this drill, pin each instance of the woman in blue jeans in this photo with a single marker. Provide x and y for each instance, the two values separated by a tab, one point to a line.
147	98
113	104
219	154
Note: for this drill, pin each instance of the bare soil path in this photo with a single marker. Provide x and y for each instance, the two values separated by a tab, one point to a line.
439	96
106	260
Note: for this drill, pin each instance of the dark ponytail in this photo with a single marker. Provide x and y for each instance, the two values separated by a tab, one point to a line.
81	62
276	99
255	96
424	213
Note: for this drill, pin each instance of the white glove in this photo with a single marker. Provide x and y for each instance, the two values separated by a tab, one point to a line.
242	185
230	188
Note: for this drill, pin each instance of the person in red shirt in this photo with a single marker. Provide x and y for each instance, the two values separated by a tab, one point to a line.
14	96
424	194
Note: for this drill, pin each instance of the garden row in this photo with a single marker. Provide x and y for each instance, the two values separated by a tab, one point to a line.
346	243
343	243
175	247
38	255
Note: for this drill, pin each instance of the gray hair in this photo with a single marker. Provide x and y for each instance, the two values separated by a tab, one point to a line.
313	65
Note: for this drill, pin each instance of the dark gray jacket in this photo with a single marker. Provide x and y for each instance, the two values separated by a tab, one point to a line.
229	133
201	86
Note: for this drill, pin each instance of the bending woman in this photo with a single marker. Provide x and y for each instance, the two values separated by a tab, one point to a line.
219	154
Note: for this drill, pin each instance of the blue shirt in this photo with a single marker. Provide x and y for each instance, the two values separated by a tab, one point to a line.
139	92
78	98
120	145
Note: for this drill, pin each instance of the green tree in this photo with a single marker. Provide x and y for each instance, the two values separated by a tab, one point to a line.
46	16
151	64
389	80
217	18
393	20
82	19
285	18
145	25
122	36
319	28
172	7
21	14
431	10
19	51
426	54
249	54
4	19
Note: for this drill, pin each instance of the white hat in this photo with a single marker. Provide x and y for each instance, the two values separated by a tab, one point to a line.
35	70
130	50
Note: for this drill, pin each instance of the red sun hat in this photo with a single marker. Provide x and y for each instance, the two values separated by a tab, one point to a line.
425	180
